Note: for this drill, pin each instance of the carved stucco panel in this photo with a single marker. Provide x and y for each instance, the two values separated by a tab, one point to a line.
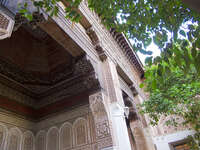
3	135
41	140
53	139
14	139
66	136
81	132
100	115
102	126
28	141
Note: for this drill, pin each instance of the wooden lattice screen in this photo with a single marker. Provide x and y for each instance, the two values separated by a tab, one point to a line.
4	22
6	25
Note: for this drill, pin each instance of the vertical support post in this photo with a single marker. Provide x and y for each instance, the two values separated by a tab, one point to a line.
102	124
115	105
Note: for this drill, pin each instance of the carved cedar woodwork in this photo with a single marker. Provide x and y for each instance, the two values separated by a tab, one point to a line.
20	20
42	78
134	90
97	44
127	50
133	114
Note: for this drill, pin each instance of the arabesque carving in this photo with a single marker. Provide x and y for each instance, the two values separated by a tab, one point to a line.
28	141
14	139
66	135
80	130
40	141
53	139
102	127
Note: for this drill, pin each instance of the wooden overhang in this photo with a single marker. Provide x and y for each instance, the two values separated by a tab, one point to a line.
128	50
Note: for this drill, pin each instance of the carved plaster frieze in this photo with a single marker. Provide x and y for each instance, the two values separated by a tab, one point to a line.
102	125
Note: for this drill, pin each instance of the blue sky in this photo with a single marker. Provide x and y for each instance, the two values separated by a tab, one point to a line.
153	48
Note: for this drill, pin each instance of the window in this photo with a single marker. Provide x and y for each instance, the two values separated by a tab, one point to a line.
182	146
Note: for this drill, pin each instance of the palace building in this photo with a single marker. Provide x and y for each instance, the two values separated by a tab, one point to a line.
68	86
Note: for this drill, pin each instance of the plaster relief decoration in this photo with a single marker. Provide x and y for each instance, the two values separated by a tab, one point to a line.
28	141
53	139
100	115
102	126
3	134
40	141
14	139
66	136
80	128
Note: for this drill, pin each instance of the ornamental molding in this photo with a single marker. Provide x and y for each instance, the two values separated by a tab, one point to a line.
33	24
97	44
102	125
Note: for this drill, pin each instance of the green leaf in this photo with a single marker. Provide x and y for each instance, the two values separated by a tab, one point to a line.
182	32
141	85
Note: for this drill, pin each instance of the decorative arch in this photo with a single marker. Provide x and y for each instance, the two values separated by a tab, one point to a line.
14	139
28	141
53	139
40	143
66	136
80	131
3	136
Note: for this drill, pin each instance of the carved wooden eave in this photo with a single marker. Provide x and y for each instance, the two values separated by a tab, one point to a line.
134	90
133	114
128	51
97	44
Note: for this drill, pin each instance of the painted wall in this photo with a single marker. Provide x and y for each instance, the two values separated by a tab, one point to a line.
163	142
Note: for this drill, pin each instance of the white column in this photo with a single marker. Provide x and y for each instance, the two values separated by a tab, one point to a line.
115	105
120	127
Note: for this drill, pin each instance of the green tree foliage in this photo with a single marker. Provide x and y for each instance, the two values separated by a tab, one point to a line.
143	21
173	81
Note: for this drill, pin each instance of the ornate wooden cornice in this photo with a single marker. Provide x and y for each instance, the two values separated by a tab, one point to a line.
97	44
37	18
36	114
128	51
